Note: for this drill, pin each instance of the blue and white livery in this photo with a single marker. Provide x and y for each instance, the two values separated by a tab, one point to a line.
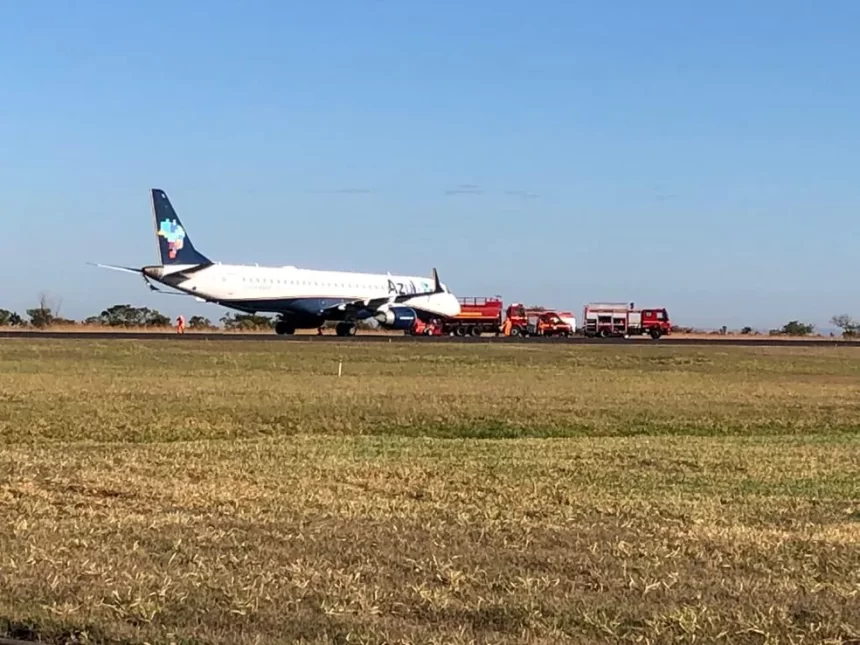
302	298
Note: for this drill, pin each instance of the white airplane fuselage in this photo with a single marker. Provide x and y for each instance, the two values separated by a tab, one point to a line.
301	293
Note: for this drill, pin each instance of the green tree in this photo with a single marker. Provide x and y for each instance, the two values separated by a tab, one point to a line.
848	325
10	319
199	322
247	322
47	313
797	328
156	319
40	317
128	316
43	315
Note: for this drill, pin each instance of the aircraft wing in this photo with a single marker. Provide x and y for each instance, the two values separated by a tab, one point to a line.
374	303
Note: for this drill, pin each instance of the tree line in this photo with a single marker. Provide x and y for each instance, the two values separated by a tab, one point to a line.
128	316
850	328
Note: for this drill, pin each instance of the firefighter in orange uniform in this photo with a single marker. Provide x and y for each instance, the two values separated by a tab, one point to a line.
180	324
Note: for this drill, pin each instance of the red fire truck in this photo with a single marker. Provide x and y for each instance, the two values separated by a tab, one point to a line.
477	316
484	316
612	319
539	322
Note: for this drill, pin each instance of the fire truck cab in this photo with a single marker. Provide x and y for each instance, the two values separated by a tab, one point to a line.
537	322
605	320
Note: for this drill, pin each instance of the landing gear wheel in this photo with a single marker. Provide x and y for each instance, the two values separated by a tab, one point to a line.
284	329
345	329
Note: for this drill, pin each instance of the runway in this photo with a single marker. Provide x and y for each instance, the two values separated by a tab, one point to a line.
379	338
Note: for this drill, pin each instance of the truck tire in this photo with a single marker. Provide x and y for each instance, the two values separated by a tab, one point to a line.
656	333
460	331
476	331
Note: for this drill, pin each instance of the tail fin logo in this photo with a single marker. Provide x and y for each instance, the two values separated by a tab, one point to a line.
172	231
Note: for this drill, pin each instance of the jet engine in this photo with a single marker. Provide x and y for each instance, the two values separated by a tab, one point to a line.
396	317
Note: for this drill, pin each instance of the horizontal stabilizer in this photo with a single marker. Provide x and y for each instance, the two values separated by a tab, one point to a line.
114	267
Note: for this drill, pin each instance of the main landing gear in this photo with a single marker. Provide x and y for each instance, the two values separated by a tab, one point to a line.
345	329
283	328
287	327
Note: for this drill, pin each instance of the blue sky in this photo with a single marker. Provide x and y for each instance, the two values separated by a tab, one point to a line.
700	156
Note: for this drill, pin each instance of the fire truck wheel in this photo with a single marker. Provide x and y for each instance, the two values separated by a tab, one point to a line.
476	331
515	331
655	333
460	331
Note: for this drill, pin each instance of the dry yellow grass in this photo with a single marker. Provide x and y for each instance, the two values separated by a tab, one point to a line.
196	493
383	332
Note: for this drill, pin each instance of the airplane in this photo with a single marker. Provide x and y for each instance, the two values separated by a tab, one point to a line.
301	298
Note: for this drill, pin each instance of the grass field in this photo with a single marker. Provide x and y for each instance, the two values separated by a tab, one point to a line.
685	335
242	493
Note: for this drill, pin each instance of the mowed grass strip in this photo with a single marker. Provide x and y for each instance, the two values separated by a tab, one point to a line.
157	492
162	391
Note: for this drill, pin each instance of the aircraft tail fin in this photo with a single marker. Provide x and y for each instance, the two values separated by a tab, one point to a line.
174	244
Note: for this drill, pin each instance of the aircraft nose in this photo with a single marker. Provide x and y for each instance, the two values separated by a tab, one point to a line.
454	305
